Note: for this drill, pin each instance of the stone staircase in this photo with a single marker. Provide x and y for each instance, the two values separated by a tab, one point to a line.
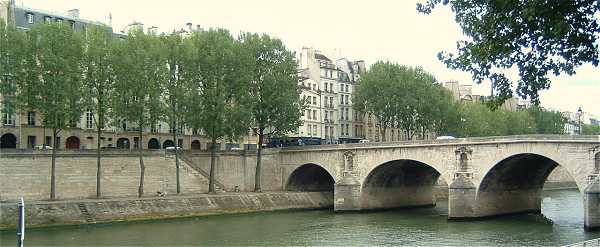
85	213
187	162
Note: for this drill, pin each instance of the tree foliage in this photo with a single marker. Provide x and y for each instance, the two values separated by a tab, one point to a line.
404	97
276	105
547	122
140	68
218	78
13	52
99	78
537	37
53	85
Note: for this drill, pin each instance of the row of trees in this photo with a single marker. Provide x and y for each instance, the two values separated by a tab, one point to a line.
206	80
412	100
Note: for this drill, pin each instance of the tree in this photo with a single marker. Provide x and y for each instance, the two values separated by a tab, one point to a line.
175	88
536	37
589	129
13	52
99	85
378	93
54	85
139	69
405	97
218	78
276	105
547	122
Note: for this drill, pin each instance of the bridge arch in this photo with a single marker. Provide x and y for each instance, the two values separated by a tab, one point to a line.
310	177
399	183
515	183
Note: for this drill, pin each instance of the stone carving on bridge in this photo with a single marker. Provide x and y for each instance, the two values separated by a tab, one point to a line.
348	161
463	155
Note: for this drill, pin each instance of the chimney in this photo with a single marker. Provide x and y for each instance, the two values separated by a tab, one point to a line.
199	28
189	27
73	13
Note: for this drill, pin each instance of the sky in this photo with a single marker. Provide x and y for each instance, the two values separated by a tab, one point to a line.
359	30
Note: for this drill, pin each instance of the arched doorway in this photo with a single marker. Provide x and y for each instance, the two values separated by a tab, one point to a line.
72	142
514	185
8	140
195	145
168	143
400	183
123	143
153	144
310	177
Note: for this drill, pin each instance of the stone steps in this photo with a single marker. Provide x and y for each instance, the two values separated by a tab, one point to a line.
85	213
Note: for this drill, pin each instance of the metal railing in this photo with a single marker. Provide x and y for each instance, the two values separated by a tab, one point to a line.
588	243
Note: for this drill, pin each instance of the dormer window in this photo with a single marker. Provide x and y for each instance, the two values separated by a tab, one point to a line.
29	17
59	21
47	19
72	24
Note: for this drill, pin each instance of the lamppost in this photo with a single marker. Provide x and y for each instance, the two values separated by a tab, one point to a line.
579	113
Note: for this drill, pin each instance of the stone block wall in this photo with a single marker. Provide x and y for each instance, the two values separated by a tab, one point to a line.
29	176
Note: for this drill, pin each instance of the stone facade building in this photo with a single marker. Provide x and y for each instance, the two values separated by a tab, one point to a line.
24	129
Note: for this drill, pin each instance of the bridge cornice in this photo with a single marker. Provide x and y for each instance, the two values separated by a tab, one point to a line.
450	143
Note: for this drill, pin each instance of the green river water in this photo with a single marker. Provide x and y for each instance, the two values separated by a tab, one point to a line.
561	222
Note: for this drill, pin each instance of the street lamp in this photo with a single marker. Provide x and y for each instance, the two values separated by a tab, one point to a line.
579	113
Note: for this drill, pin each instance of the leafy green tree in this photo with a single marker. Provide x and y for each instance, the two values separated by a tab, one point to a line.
405	97
218	78
536	37
380	93
13	52
547	122
99	84
589	129
276	104
54	85
175	88
139	70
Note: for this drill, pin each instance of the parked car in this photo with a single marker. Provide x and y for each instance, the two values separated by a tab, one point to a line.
173	148
445	138
43	147
364	141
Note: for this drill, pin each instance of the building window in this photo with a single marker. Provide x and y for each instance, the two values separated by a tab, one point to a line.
72	24
47	19
31	118
59	21
7	116
315	114
314	100
29	17
347	89
308	114
315	129
89	119
347	113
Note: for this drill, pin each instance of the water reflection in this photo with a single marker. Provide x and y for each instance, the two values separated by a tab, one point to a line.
560	223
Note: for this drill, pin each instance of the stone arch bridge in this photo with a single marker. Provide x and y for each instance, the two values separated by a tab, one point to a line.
486	176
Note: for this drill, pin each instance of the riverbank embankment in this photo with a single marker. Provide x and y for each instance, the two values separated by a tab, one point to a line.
90	211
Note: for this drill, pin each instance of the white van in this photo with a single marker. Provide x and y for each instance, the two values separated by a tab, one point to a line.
364	141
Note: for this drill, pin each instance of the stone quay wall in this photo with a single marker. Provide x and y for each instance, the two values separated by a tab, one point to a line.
90	211
27	174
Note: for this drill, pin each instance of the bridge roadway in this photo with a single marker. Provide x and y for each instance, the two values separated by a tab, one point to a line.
485	176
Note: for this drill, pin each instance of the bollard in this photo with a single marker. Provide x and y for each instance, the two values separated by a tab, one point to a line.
21	224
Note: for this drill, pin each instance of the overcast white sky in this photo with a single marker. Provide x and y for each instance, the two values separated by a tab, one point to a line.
369	30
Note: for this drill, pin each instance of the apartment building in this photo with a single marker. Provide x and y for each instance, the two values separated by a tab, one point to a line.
24	129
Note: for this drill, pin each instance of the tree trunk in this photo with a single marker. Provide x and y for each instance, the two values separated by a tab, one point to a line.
142	167
176	157
213	157
257	175
98	163
53	169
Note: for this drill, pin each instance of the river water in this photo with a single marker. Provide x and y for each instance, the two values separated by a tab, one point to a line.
561	222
